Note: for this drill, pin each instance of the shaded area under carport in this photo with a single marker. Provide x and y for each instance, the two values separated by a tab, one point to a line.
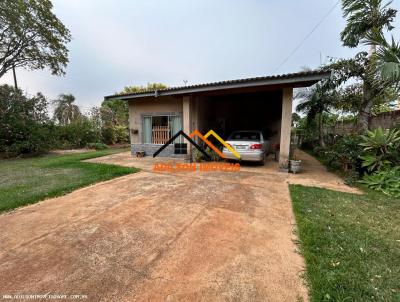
242	111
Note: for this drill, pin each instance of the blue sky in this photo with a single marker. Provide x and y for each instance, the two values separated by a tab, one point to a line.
120	43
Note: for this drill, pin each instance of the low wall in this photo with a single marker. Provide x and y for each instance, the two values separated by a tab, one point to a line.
150	149
385	120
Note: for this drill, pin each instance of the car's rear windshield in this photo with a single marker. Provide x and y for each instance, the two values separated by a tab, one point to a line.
245	136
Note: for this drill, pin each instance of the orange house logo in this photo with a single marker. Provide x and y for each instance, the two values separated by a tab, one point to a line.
204	138
215	149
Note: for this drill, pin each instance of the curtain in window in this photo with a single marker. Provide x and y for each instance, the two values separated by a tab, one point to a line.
176	125
147	130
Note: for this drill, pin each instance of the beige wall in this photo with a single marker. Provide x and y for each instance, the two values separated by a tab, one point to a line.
150	106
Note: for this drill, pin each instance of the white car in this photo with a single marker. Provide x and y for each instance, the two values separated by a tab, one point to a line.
250	145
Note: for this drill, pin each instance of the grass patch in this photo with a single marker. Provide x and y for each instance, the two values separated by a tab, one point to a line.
26	181
351	244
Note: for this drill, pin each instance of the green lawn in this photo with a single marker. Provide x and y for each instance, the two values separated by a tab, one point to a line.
25	181
351	244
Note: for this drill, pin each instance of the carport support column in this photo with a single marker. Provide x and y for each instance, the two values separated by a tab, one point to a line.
286	127
187	121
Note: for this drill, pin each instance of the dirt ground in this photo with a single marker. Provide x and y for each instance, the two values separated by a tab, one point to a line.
188	236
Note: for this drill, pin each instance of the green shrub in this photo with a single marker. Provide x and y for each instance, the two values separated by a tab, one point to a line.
212	154
24	123
346	149
114	134
381	149
385	181
198	156
309	144
319	151
77	134
97	146
121	134
108	135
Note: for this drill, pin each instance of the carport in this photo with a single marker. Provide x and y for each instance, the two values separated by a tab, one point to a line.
262	103
242	111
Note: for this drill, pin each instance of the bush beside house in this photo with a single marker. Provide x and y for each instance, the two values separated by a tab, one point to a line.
26	127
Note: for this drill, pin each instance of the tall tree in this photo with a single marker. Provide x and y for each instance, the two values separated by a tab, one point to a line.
65	110
24	123
119	109
364	17
31	36
375	91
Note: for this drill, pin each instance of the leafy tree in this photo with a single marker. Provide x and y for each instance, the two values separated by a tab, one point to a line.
370	91
149	86
32	36
116	110
115	114
24	123
96	121
364	19
66	111
295	119
79	133
350	98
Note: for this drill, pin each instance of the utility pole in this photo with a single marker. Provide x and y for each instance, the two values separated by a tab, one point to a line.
15	78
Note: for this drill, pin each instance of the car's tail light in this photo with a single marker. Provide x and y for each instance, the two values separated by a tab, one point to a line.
256	147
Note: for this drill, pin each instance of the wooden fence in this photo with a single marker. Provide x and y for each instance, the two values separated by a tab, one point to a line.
161	134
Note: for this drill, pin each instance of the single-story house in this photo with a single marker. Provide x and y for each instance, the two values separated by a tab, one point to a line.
261	103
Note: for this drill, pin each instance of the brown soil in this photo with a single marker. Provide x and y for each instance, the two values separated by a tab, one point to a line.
149	236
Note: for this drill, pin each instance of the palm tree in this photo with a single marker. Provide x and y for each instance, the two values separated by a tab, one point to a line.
314	101
65	110
365	17
387	56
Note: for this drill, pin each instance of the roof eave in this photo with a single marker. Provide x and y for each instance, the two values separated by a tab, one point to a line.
311	79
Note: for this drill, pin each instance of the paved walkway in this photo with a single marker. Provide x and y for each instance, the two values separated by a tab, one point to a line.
162	237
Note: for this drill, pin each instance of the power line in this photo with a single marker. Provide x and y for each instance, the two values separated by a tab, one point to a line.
307	36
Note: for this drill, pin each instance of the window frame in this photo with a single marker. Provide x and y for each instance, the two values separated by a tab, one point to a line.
151	115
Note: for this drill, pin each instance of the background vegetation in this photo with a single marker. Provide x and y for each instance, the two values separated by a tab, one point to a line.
27	128
359	88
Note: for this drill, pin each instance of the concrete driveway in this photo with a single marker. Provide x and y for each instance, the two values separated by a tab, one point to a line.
149	236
